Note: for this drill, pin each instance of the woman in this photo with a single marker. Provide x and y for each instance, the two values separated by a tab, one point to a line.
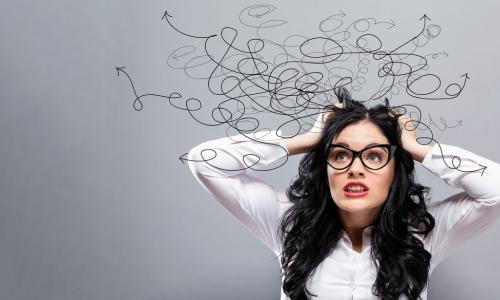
353	224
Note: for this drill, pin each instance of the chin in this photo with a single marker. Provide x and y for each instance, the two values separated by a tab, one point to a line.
355	204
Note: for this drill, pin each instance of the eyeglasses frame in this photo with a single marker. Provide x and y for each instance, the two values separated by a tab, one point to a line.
391	149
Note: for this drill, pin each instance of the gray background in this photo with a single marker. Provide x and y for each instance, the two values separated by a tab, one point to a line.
94	202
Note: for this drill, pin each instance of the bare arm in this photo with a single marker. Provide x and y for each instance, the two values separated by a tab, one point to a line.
301	143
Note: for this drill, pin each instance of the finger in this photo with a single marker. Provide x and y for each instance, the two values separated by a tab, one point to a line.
406	122
397	111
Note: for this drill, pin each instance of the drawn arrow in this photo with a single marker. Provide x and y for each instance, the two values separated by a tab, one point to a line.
182	158
392	23
166	16
460	87
137	98
483	168
426	18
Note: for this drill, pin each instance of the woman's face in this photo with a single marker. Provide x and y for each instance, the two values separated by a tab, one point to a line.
356	137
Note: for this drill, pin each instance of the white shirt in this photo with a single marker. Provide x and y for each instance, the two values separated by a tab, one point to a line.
345	274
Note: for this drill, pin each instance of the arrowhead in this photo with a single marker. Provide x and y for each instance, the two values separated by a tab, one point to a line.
118	69
459	122
483	168
165	15
343	13
182	158
425	17
393	23
466	75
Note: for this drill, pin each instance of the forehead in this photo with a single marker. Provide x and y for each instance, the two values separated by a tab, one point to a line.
359	135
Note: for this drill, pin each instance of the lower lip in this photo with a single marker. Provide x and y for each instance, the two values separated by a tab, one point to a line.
355	194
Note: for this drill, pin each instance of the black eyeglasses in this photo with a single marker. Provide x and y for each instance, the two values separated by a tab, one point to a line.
374	157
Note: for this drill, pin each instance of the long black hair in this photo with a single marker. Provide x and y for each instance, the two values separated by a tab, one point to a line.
311	227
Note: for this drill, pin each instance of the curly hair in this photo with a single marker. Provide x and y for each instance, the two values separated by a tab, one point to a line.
311	227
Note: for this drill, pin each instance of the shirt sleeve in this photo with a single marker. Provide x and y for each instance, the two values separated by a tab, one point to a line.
222	167
467	213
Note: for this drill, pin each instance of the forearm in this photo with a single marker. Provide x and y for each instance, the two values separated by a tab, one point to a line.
230	156
418	151
301	143
476	175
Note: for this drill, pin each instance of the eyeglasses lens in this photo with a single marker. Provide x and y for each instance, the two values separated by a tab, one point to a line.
373	158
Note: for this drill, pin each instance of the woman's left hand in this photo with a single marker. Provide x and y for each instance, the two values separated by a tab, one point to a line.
409	139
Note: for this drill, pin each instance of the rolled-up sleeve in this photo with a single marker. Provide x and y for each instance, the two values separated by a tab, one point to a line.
222	167
467	213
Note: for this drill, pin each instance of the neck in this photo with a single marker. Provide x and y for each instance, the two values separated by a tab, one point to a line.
357	221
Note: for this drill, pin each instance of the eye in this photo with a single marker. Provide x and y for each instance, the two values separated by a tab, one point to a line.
374	156
341	156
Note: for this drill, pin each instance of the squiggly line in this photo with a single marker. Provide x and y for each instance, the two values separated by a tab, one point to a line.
443	123
293	80
456	161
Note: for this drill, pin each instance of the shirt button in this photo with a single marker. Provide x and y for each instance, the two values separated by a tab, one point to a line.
352	285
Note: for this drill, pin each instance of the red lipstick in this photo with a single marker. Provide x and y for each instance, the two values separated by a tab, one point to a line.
355	193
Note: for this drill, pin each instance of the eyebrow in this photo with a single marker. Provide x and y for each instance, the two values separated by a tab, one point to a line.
347	145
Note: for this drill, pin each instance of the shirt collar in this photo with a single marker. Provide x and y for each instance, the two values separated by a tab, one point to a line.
366	235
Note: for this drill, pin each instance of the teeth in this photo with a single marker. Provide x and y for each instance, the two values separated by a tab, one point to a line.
355	188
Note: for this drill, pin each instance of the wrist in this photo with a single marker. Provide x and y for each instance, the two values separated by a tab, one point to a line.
419	151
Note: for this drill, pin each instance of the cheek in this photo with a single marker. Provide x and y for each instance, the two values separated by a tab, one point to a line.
335	183
384	183
331	178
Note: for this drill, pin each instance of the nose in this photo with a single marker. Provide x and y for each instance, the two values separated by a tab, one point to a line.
357	168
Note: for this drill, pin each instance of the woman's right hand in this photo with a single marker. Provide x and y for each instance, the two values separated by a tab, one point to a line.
306	142
319	124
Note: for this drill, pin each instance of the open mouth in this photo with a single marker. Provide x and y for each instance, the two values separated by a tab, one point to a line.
354	189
